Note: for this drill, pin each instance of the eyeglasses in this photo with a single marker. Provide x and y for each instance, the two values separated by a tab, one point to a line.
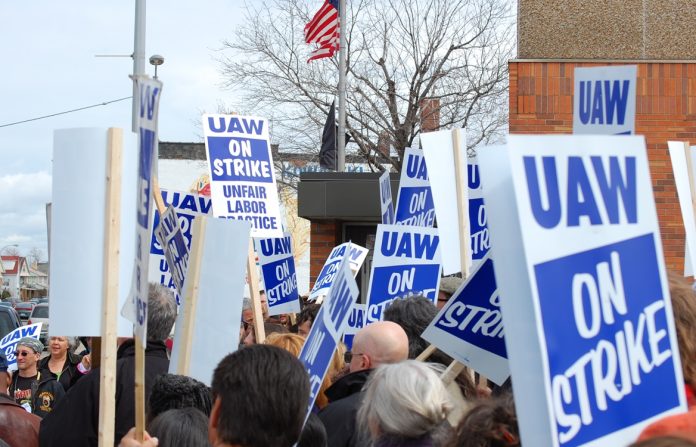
21	353
348	356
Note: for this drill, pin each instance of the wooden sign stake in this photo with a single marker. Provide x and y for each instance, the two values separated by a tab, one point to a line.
459	170
107	361
253	275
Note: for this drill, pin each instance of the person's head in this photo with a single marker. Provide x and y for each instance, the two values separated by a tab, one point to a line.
404	400
665	441
684	310
290	342
59	346
413	314
448	285
313	433
489	423
5	376
173	391
161	312
269	328
180	427
28	354
260	398
378	343
264	304
306	318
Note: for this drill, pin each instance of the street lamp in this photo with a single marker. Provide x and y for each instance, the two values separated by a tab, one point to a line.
156	60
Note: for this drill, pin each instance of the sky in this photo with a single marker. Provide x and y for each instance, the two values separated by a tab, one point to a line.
50	66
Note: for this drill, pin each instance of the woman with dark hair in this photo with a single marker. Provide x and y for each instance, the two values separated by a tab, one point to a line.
180	427
490	423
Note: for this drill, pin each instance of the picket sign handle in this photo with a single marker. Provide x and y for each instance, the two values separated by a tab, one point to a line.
139	389
112	225
463	218
253	275
452	371
427	352
157	194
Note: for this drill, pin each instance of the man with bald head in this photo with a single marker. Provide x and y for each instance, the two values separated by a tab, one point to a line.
376	344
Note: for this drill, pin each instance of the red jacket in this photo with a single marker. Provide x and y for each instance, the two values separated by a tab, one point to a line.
17	427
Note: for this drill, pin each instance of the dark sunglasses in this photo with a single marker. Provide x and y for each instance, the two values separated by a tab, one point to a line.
348	356
22	353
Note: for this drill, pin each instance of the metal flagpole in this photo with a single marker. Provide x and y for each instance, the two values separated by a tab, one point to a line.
138	55
342	47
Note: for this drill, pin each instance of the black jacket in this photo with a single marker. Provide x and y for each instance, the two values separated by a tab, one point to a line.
70	374
46	392
339	416
75	420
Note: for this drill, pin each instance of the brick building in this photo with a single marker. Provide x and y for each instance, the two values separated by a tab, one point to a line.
554	37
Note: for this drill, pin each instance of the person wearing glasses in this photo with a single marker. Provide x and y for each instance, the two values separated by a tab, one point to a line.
37	393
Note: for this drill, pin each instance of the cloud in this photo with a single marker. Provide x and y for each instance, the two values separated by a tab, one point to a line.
23	198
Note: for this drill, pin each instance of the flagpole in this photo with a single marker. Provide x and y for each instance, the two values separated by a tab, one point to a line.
342	47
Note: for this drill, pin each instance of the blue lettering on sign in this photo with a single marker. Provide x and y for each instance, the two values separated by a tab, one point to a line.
240	159
415	167
478	221
617	190
612	366
280	280
316	355
276	246
327	274
147	148
409	245
341	303
187	202
473	178
474	315
148	99
400	281
235	124
415	206
340	251
603	101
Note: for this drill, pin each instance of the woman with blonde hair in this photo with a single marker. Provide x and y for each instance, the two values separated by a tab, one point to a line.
405	405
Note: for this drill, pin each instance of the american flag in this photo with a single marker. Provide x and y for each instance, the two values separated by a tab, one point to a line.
323	29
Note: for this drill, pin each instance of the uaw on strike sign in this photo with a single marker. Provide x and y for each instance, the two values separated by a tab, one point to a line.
242	178
588	308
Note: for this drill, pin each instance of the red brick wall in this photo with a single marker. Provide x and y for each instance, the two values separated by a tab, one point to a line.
324	236
541	101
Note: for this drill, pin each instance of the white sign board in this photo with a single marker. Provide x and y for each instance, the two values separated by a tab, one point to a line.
589	329
406	261
604	100
356	256
439	157
279	276
356	321
187	206
8	344
242	177
470	326
478	220
385	198
218	314
414	206
678	152
77	226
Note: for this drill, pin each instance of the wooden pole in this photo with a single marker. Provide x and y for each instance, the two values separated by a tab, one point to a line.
452	371
139	389
427	352
462	210
188	307
253	276
112	224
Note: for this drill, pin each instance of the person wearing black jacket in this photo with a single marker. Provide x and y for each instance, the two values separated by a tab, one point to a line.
62	363
75	421
379	343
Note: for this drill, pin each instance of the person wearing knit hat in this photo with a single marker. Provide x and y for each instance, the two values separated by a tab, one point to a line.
37	393
448	285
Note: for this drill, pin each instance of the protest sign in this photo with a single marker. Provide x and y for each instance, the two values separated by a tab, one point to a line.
356	257
135	309
328	327
207	326
445	153
171	239
604	100
8	344
279	276
242	177
470	326
478	220
414	206
682	155
187	206
385	197
356	321
588	321
406	262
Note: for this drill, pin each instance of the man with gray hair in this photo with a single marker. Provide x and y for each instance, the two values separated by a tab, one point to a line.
379	343
75	420
37	393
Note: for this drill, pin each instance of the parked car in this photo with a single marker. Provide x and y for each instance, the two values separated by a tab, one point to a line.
24	309
9	320
43	300
40	315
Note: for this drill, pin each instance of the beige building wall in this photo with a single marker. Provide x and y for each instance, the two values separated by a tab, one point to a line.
607	29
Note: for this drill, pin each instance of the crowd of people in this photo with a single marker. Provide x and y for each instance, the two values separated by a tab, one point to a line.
375	394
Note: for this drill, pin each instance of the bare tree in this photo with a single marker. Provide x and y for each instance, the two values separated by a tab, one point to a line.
35	256
400	53
11	250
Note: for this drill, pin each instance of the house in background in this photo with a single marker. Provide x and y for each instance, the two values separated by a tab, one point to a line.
21	280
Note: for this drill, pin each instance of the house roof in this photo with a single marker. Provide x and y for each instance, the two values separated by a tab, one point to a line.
12	264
